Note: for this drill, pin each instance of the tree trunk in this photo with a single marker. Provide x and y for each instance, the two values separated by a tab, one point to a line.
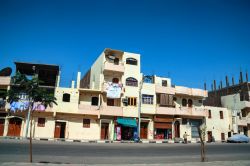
203	157
31	119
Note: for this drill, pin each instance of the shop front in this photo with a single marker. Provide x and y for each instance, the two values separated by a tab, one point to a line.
125	129
163	127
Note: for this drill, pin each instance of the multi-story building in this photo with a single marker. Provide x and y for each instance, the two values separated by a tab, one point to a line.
234	97
112	100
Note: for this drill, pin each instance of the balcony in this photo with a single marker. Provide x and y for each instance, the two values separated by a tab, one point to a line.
181	111
5	81
163	89
111	110
88	109
242	121
108	66
183	90
199	92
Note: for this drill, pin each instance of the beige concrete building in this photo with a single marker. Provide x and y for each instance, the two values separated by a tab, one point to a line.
112	99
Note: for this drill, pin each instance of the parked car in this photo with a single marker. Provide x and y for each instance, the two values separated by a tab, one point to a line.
238	138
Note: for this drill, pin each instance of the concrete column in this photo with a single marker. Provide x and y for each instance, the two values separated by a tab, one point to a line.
72	84
78	80
58	78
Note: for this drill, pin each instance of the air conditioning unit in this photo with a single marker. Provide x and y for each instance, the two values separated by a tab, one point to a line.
125	100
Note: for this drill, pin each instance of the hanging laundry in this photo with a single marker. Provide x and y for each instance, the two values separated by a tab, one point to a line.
19	106
114	90
38	107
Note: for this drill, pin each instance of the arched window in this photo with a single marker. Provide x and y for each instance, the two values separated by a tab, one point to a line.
115	80
190	103
66	97
131	81
94	101
184	102
131	61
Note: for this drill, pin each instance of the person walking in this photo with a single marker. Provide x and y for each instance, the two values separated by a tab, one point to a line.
185	137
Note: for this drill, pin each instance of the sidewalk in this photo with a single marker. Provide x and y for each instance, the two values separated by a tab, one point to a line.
102	141
215	163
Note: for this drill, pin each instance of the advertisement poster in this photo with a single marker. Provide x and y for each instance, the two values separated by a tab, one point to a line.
118	133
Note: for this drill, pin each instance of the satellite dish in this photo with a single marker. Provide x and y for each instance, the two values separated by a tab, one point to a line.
6	71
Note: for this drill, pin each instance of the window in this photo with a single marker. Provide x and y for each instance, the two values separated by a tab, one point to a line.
131	61
164	83
221	114
110	102
94	101
86	123
115	80
222	136
209	114
194	128
190	103
147	99
116	61
66	97
41	122
165	99
200	101
132	101
184	102
131	81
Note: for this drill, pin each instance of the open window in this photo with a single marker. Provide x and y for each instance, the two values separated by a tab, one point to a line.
94	101
66	97
184	102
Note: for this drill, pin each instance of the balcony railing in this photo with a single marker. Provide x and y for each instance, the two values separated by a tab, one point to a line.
102	110
4	80
181	111
108	66
163	89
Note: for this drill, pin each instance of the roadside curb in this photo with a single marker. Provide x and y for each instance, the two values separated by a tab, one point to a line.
99	141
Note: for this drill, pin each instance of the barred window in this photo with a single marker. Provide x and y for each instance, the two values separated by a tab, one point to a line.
41	122
131	61
147	99
131	81
86	123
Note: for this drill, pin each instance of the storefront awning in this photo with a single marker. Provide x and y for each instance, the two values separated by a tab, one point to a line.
128	122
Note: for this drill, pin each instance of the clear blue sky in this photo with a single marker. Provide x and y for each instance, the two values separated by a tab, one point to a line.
190	41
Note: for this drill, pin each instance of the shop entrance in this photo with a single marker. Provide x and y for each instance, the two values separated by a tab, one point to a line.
1	126
60	130
144	130
14	128
163	130
127	133
104	131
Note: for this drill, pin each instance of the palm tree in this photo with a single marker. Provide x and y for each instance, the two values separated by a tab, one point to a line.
20	84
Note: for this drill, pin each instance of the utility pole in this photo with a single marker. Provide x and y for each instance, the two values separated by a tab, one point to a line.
139	108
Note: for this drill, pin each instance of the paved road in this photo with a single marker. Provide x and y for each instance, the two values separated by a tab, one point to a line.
85	153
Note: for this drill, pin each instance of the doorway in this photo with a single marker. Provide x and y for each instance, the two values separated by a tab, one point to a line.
177	129
209	136
60	130
2	121
144	130
14	128
104	131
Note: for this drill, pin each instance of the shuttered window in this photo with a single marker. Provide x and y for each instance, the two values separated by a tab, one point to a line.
132	101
